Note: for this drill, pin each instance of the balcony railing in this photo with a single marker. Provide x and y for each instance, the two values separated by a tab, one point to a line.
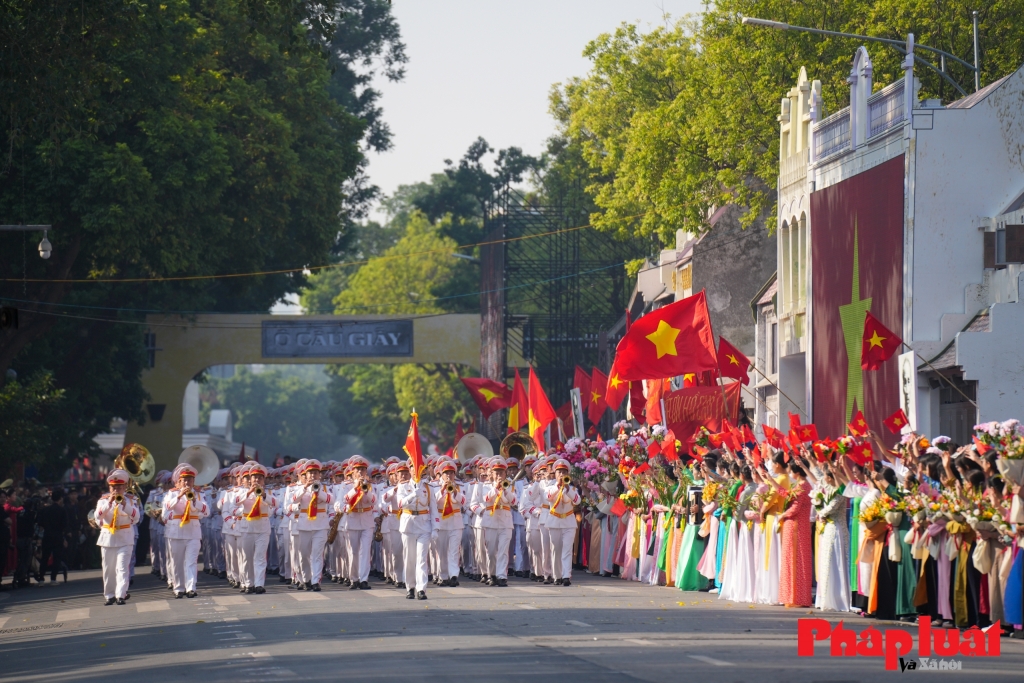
832	135
885	109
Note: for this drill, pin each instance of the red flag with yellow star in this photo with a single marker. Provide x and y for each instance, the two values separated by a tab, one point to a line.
878	344
896	421
617	388
669	341
414	449
858	426
595	402
541	414
732	362
581	381
518	405
488	395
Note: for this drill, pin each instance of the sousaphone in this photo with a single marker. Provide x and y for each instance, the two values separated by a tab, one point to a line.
518	445
471	445
138	462
205	461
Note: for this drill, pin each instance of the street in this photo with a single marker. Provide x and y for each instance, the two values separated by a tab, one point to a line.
598	629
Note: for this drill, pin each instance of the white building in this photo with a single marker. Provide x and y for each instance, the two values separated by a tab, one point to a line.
915	216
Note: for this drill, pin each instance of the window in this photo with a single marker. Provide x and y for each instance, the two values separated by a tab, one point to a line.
773	352
786	301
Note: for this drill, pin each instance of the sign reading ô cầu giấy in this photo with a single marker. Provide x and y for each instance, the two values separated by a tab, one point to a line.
328	338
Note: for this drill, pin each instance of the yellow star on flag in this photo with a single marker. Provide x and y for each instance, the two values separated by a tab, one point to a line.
534	422
898	421
615	381
862	423
488	395
876	340
689	376
513	416
732	359
664	339
594	397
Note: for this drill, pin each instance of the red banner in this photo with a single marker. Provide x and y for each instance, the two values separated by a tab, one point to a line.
857	252
687	410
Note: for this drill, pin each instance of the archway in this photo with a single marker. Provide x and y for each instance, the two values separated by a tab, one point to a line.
181	347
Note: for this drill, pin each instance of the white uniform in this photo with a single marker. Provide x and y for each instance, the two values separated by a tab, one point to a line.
254	540
313	520
360	509
561	526
394	553
531	506
184	532
156	533
518	550
496	519
449	539
476	508
229	531
418	524
116	542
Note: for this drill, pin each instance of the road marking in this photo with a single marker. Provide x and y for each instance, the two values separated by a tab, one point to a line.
639	641
608	589
386	594
220	609
231	600
241	636
305	597
230	618
579	623
710	660
3	620
463	591
152	606
69	614
535	591
527	607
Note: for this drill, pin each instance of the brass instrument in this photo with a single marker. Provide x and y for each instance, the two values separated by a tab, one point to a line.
316	488
505	484
364	487
566	480
138	462
190	495
471	445
332	532
91	519
377	535
204	460
258	491
518	445
119	499
450	488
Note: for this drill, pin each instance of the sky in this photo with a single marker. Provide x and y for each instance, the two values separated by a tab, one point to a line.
485	68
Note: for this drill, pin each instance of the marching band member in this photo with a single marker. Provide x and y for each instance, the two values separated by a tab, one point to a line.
116	514
544	517
229	530
154	503
294	489
469	566
182	510
273	553
476	507
217	525
359	507
337	552
418	526
392	507
449	500
517	549
530	506
311	503
563	497
253	506
498	500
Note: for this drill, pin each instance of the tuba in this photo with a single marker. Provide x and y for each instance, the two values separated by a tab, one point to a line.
204	460
517	445
138	462
471	445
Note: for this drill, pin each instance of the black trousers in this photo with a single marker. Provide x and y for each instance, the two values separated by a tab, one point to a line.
24	547
52	547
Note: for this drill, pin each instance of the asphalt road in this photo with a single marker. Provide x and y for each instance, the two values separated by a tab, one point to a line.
595	630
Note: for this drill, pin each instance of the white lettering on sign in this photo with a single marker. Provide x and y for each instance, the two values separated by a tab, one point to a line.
324	339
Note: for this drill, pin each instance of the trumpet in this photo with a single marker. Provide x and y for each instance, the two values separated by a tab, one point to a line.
316	487
450	488
258	491
190	494
119	499
505	483
364	487
566	480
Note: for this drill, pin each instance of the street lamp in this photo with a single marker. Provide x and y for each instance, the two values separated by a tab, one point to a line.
906	48
45	248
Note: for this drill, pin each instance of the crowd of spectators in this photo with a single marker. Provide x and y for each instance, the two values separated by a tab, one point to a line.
44	531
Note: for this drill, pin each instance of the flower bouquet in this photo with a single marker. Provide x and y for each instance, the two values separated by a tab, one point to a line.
873	513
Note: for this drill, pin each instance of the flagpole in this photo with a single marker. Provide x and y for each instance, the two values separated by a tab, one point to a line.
941	376
753	393
795	405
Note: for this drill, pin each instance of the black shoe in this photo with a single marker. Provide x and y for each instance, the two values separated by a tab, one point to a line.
354	587
242	590
300	586
66	575
154	571
131	581
283	579
249	590
222	575
316	587
454	583
389	581
163	577
120	601
483	578
179	596
411	595
127	596
489	581
502	583
191	594
364	585
259	590
548	581
109	602
566	582
420	595
400	584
